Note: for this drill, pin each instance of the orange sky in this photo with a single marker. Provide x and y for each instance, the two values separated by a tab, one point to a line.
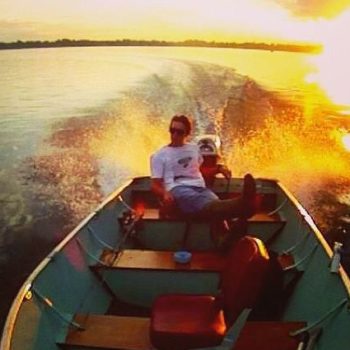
220	20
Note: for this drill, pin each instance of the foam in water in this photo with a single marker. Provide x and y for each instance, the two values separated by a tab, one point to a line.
302	150
262	133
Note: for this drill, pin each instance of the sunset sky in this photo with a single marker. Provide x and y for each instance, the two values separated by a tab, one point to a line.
219	20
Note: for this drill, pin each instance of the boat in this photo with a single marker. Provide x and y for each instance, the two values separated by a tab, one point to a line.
128	278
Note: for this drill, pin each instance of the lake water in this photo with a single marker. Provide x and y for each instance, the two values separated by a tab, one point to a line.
77	122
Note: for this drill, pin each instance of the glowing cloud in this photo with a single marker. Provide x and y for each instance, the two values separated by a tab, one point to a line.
314	8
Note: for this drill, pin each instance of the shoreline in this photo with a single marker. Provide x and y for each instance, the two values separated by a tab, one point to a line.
302	48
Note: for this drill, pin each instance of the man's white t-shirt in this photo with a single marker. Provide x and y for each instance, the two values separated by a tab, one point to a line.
178	166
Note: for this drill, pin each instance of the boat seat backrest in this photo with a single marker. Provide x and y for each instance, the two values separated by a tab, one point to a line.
243	276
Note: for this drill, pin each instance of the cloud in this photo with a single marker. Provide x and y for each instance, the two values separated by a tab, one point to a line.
13	30
314	8
16	29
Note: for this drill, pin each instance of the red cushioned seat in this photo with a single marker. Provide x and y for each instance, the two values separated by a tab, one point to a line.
188	320
191	321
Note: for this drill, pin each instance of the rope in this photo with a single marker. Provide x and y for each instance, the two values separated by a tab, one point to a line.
99	240
49	303
324	317
126	205
81	245
293	248
278	208
313	249
116	249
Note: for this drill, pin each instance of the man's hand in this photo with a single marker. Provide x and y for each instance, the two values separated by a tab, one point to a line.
225	171
168	198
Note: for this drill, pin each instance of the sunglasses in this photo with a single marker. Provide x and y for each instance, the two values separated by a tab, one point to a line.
180	132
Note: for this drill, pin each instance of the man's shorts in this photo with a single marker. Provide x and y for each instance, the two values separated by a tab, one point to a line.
192	199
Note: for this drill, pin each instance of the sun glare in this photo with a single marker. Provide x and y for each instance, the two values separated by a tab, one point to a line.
346	142
333	71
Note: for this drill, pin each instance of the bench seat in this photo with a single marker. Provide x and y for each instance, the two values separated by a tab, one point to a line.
175	233
153	214
132	333
164	260
110	332
139	276
268	336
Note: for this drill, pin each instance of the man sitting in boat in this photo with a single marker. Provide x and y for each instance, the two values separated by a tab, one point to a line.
177	180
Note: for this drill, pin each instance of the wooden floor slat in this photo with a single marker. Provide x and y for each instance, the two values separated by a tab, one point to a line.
111	332
151	213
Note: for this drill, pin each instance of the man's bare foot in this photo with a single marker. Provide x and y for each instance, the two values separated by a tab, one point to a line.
248	196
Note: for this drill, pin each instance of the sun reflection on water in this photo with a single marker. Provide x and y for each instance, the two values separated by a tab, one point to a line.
346	141
332	65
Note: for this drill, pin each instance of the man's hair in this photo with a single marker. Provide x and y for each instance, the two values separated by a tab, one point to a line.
186	121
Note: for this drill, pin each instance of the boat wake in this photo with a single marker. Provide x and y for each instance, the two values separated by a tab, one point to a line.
262	133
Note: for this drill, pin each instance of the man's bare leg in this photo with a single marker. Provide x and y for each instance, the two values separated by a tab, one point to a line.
242	207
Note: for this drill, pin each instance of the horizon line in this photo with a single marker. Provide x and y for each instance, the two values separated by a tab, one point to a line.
169	41
273	46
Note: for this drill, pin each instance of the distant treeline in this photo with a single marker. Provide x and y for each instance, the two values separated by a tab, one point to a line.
187	43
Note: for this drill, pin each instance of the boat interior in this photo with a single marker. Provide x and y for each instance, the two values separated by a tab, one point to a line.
118	282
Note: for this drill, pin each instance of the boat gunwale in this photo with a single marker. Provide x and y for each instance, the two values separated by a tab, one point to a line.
11	318
308	219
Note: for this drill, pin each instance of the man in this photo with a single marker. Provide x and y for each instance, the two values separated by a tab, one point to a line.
176	179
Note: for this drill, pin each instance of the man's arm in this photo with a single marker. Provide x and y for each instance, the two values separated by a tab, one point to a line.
224	170
157	186
209	173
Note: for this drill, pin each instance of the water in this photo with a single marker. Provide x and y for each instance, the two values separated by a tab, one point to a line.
78	122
